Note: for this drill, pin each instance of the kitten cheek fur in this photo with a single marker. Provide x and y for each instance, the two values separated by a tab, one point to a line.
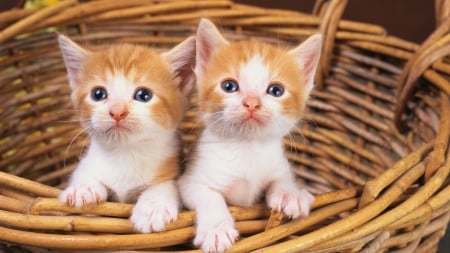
213	101
166	115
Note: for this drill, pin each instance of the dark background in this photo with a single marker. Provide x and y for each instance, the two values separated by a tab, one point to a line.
412	20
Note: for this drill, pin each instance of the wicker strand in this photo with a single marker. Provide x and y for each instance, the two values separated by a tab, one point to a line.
17	27
30	186
277	233
435	46
13	15
328	28
128	241
442	11
87	9
374	187
437	156
377	243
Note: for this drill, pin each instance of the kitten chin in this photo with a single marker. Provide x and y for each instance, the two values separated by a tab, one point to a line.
250	95
130	100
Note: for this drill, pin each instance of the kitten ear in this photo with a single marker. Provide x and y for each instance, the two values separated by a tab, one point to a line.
208	38
307	55
73	56
182	59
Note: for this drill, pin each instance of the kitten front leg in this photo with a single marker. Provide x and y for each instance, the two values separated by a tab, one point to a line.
156	206
83	190
215	226
285	196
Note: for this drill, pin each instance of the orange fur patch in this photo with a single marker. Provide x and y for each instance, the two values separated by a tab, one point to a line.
168	171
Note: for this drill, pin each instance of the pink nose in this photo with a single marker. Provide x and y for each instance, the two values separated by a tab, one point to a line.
118	112
251	103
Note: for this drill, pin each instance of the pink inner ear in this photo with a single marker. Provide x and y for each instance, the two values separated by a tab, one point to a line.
310	64
187	80
73	56
308	55
204	51
208	39
181	59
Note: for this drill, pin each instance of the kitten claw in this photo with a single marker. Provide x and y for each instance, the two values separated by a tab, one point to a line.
81	196
98	198
216	239
69	200
293	203
148	218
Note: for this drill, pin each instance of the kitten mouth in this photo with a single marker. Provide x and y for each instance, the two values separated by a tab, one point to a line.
121	128
118	128
253	118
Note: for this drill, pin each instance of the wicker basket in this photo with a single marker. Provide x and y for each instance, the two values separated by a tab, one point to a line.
373	147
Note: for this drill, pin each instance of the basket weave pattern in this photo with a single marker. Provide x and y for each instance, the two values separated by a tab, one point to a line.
373	146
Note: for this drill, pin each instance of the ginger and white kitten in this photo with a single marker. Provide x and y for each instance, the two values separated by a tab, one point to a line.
130	100
250	95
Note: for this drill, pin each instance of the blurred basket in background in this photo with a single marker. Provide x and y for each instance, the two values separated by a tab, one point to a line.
373	146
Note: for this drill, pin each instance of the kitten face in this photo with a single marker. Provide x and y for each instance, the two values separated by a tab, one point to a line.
127	92
250	89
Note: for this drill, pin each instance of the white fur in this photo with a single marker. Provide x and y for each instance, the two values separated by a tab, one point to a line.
255	75
126	155
235	166
240	153
126	160
122	167
237	172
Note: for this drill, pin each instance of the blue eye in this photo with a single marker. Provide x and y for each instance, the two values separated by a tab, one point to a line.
229	86
143	95
99	94
275	90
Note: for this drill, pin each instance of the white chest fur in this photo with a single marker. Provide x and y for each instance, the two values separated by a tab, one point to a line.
240	169
123	168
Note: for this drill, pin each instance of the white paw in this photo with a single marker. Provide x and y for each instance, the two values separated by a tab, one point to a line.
152	217
216	238
293	203
79	196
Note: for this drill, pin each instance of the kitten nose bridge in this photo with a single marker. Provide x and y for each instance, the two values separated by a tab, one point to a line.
118	112
252	103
